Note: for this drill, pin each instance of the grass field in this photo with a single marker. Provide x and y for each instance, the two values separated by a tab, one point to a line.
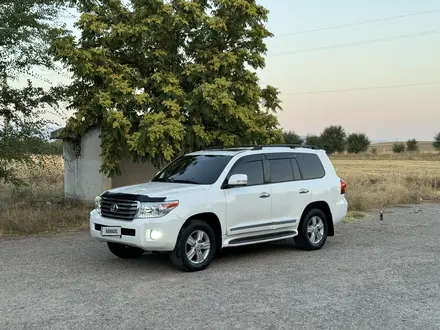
374	181
385	147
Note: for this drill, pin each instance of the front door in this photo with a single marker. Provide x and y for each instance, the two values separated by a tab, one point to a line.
248	208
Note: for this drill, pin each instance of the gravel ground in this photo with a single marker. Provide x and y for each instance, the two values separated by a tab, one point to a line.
372	275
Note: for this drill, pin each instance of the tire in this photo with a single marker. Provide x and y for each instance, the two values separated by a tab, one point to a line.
125	251
201	233
307	242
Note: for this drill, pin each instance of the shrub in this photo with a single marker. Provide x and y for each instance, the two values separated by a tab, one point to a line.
398	147
436	143
412	145
374	150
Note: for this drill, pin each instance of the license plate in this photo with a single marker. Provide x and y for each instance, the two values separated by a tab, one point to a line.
111	231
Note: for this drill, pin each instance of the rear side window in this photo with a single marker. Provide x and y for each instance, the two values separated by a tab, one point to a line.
253	169
310	166
280	170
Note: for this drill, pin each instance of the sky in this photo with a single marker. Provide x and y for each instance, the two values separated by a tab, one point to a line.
304	72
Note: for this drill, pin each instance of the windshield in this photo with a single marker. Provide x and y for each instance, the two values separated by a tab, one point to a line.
196	169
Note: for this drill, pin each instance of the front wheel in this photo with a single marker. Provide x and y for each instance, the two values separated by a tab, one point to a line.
125	251
195	247
312	231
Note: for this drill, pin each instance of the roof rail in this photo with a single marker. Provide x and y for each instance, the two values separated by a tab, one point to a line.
260	147
291	146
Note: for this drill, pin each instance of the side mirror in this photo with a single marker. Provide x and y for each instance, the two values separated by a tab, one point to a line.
238	180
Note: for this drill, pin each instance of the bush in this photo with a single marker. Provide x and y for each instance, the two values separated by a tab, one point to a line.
374	150
436	143
357	142
412	145
333	139
398	147
292	138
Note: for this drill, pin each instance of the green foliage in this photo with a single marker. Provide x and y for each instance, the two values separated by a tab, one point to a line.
27	29
357	142
398	147
374	150
333	139
292	138
164	77
436	143
412	145
313	140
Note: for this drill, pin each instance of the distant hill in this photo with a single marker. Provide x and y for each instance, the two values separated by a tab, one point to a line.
424	146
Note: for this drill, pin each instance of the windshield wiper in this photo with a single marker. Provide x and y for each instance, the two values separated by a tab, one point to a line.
182	181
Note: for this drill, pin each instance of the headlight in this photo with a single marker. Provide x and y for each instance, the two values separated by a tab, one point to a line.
98	204
155	210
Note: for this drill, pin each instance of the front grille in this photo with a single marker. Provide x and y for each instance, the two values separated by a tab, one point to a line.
117	208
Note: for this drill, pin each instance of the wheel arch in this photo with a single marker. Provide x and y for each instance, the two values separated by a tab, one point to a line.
325	208
211	219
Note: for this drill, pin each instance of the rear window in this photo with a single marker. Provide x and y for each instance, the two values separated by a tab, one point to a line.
310	166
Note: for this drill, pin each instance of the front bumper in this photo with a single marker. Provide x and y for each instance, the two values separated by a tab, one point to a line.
137	232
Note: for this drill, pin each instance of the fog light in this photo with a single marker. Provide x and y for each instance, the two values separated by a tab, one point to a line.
155	234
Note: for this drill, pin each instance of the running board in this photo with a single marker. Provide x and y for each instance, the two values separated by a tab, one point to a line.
262	238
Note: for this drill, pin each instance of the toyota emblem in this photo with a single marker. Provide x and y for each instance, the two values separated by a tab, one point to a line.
114	208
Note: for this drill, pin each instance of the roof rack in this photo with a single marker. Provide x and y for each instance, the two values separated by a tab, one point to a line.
260	147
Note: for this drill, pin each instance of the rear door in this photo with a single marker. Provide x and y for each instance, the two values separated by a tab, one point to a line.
290	194
248	209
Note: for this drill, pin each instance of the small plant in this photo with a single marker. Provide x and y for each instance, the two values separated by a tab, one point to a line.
374	150
412	145
398	147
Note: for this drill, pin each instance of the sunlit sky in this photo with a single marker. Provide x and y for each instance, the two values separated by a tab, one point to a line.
304	73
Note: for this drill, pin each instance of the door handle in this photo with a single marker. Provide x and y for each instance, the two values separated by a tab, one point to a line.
304	191
264	195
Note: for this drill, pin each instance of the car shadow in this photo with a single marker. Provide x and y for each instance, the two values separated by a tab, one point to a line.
161	263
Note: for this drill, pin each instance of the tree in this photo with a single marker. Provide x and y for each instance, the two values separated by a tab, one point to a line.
436	143
163	77
412	145
313	140
292	138
333	139
398	147
357	142
27	28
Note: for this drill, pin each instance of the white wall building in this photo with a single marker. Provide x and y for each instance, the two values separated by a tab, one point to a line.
82	161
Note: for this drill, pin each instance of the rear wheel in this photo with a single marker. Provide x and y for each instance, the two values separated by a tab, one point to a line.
312	231
125	251
195	247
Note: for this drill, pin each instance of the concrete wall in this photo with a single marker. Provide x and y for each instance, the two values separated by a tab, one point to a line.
133	173
82	179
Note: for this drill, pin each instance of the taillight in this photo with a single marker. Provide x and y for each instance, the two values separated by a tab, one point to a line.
343	187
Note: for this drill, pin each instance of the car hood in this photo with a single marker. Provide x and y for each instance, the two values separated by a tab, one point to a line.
160	189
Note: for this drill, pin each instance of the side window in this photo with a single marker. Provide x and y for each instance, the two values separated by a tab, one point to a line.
310	166
253	169
280	170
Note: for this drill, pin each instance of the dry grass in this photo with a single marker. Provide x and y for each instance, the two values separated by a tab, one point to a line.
374	181
384	183
386	147
39	206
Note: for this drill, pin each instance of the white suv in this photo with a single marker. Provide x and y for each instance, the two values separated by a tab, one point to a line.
212	199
